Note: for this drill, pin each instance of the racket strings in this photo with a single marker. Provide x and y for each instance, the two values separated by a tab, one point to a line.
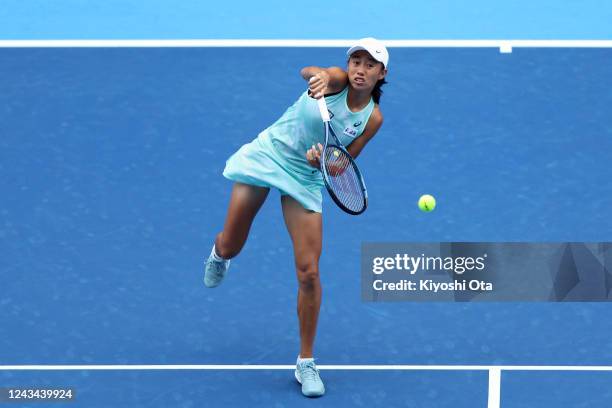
343	179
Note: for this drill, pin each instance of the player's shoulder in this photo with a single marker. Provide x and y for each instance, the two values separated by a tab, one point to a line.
376	118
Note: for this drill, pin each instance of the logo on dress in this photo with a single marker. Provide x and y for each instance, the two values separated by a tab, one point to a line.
350	132
357	124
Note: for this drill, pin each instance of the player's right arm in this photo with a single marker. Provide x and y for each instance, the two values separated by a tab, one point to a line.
323	81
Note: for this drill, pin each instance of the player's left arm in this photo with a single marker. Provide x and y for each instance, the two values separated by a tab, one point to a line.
374	123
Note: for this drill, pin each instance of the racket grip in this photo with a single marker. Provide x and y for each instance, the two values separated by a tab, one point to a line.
323	109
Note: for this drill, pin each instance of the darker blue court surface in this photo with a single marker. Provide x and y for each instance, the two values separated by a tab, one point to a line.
111	195
262	388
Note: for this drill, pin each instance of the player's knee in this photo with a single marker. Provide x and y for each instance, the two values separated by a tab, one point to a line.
308	274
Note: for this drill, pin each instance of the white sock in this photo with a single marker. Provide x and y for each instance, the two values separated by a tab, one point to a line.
214	255
304	360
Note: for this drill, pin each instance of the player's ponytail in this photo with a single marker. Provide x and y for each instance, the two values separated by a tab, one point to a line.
377	91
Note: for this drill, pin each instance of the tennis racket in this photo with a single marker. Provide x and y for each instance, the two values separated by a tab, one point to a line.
341	175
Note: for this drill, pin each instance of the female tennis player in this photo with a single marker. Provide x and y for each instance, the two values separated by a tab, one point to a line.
286	156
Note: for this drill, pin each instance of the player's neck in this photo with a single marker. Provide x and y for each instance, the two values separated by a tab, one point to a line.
357	100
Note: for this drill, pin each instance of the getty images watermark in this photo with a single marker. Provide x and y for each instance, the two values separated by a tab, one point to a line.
415	264
471	271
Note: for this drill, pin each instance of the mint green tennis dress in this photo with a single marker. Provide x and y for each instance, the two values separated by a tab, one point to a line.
277	157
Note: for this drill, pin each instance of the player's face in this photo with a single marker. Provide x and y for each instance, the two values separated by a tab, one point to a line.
364	71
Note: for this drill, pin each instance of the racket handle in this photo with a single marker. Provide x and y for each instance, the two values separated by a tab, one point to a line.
323	109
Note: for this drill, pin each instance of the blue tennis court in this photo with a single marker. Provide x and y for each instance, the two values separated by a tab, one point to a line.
112	192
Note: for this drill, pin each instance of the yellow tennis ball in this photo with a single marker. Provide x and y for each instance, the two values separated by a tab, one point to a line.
336	153
427	203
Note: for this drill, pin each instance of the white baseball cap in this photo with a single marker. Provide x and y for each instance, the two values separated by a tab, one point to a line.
376	49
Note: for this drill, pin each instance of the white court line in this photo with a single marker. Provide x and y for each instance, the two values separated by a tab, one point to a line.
501	44
291	367
494	388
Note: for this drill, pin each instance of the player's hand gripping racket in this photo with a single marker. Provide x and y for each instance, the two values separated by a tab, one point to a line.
342	178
